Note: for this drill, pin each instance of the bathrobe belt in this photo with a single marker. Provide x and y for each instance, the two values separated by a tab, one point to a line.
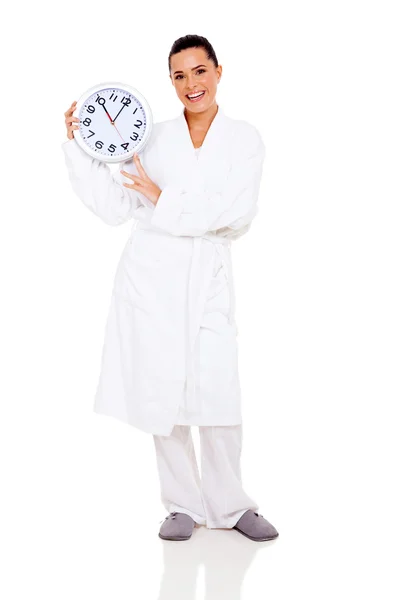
197	293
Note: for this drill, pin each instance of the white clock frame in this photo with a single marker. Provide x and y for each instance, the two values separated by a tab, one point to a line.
142	102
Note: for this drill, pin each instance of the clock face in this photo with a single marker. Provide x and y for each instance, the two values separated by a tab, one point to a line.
114	122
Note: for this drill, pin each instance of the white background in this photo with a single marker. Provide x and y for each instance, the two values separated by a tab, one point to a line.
317	280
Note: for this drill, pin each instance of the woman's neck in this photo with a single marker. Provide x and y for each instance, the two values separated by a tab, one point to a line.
203	120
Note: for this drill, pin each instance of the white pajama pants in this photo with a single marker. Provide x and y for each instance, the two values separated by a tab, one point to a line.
217	499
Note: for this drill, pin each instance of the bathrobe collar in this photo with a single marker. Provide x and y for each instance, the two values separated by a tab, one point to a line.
213	140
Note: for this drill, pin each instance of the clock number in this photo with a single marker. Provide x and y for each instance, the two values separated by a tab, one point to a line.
87	121
138	126
91	133
134	138
126	101
90	109
111	148
110	98
134	111
100	100
125	145
99	144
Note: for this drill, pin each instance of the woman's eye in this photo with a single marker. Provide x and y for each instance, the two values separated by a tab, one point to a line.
198	71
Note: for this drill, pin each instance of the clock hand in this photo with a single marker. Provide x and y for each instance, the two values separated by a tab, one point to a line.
112	122
119	133
119	112
107	113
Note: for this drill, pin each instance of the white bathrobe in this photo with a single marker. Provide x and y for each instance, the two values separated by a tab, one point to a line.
170	349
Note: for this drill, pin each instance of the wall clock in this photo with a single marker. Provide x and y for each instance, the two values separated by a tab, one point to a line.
115	121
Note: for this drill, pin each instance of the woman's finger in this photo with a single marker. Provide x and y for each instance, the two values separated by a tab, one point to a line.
133	186
139	167
70	110
70	119
134	178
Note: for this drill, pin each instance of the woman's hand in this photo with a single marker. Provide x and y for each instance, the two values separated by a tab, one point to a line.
69	119
142	184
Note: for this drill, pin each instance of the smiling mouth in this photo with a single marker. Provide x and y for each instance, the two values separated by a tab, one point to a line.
195	97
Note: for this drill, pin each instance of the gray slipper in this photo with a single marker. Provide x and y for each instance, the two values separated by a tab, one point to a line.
176	526
255	527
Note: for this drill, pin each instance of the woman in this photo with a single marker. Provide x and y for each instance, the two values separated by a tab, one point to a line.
170	352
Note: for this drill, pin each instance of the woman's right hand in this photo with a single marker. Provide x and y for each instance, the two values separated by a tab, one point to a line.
70	119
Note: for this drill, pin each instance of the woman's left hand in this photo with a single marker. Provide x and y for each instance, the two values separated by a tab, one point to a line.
142	183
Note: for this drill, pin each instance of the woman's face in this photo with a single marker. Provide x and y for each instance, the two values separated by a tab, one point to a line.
192	71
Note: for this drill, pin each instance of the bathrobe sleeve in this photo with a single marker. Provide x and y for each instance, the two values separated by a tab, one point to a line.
229	211
98	188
